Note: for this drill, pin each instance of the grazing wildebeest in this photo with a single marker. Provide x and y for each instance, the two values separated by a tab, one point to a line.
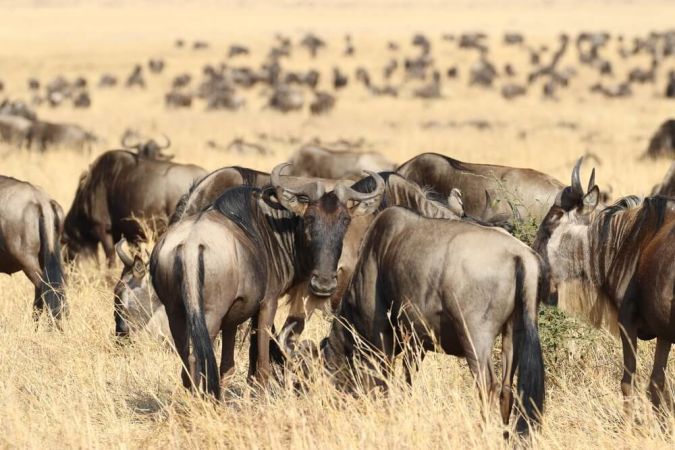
120	187
137	307
424	284
135	298
44	134
30	230
616	265
490	193
320	162
217	269
667	187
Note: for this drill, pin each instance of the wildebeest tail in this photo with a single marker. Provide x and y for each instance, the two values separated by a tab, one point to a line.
531	390
189	269
52	281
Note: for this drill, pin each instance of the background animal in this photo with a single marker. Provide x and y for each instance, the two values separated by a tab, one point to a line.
490	193
120	189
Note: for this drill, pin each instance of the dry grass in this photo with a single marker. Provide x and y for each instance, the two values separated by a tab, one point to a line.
80	388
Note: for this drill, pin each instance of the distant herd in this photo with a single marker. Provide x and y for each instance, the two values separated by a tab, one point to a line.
420	69
410	258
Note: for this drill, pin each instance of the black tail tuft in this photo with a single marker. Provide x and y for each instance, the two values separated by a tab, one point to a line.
50	291
206	365
531	389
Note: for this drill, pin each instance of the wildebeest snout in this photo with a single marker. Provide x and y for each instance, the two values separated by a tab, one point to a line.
323	286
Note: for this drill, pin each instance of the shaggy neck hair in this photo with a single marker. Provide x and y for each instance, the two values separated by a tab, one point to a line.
594	262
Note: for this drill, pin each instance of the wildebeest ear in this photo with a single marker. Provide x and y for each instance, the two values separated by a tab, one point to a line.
138	268
591	199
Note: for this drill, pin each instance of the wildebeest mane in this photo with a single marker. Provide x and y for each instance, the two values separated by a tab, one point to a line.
235	204
248	176
618	235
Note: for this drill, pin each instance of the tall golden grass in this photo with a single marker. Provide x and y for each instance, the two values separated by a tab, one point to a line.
80	388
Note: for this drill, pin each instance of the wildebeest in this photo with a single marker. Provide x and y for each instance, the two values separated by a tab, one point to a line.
30	230
148	149
286	98
45	134
490	193
321	162
618	267
440	285
120	187
215	270
137	307
662	142
14	129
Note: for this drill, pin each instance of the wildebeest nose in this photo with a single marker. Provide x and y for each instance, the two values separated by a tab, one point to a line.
323	286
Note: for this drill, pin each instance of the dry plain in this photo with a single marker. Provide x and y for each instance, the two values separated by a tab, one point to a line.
80	388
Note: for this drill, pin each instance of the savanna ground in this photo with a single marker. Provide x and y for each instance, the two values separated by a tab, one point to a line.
80	388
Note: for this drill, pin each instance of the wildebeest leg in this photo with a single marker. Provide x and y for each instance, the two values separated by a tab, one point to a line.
268	309
178	327
629	347
478	352
31	268
105	237
658	377
508	370
229	334
253	348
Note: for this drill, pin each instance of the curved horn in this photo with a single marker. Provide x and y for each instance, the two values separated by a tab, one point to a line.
576	179
346	193
312	190
365	202
591	181
295	199
167	144
122	252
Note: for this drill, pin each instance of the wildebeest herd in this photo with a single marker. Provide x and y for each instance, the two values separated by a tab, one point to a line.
421	250
410	257
619	65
